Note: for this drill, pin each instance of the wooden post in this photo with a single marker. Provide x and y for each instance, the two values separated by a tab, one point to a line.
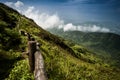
36	61
32	50
39	71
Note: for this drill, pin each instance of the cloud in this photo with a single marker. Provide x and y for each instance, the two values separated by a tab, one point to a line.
29	10
92	28
18	4
9	3
69	27
15	5
43	19
47	21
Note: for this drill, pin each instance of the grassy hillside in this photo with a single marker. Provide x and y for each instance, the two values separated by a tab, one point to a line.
63	60
105	45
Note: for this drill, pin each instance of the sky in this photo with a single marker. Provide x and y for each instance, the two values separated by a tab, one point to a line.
68	14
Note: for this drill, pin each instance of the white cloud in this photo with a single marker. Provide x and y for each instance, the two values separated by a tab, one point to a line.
69	27
50	21
43	19
18	4
92	28
30	9
15	5
9	3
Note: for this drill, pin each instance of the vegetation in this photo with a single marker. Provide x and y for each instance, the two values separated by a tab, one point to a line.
104	45
64	60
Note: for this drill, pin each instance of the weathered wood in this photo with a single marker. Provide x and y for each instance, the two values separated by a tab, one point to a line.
36	61
39	72
31	51
24	55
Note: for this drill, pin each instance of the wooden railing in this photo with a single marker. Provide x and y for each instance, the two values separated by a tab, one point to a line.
36	61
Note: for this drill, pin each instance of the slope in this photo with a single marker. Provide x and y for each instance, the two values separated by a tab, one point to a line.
105	45
63	60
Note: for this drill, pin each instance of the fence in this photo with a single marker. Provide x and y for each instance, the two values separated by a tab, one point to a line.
36	61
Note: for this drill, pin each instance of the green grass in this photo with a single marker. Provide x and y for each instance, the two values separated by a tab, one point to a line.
63	59
20	71
104	45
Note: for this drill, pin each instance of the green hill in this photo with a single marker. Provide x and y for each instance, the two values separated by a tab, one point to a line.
64	60
105	45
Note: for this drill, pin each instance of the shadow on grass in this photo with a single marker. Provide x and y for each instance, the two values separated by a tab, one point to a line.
5	66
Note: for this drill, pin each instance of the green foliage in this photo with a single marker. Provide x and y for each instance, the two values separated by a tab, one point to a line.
7	59
104	45
10	39
62	65
63	60
20	71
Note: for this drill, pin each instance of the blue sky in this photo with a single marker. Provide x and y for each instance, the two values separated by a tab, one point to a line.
79	10
68	14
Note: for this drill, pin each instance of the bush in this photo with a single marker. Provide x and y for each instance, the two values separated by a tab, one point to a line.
20	71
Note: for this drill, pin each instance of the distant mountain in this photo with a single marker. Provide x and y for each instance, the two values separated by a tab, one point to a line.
103	44
64	60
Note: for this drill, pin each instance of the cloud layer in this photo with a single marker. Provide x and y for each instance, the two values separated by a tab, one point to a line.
93	28
53	21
